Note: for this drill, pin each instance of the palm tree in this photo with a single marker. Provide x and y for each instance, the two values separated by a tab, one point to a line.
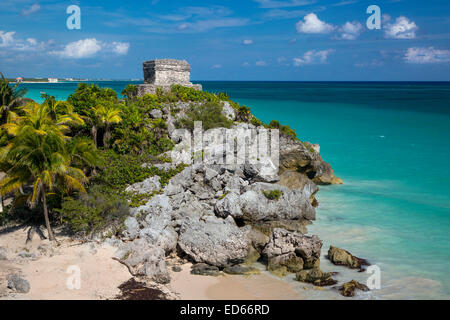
61	110
10	98
107	115
37	155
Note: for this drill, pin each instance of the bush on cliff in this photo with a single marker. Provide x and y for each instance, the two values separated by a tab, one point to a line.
210	114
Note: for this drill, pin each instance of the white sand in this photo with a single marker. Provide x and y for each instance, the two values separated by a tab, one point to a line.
101	275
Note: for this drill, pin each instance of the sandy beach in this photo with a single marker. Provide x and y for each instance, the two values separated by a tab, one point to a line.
47	269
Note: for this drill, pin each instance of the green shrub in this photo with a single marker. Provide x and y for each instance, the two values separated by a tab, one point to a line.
273	194
94	212
286	130
210	114
121	170
256	122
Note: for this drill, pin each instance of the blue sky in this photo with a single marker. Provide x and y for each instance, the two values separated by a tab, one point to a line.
229	40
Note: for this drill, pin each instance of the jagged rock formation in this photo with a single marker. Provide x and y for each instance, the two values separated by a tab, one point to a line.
225	216
163	73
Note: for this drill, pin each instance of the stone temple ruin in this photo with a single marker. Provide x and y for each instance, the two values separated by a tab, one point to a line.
163	73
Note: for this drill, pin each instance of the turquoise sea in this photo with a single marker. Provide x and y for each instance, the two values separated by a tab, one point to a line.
389	142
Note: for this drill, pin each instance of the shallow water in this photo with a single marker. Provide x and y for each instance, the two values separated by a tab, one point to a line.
389	142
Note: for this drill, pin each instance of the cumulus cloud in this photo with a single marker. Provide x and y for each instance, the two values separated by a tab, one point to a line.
34	8
216	66
7	38
247	41
9	42
88	48
121	48
80	49
312	24
350	30
402	28
260	63
426	55
313	57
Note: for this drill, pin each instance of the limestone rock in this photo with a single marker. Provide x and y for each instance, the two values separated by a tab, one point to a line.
348	289
213	241
17	283
283	242
316	277
228	111
292	205
342	257
241	269
204	269
145	187
132	228
282	264
144	259
3	253
229	205
298	156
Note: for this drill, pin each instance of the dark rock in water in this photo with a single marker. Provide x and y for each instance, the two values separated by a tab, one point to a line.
18	284
240	269
348	289
204	269
342	257
316	277
283	264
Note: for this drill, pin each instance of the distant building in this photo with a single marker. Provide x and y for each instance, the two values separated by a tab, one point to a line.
52	80
19	79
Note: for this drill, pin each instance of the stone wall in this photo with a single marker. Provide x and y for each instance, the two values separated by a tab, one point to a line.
164	73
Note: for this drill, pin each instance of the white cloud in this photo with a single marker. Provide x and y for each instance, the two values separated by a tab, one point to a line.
7	38
260	63
351	30
216	66
121	48
88	48
402	28
80	49
34	8
426	55
8	41
245	64
247	41
312	24
313	57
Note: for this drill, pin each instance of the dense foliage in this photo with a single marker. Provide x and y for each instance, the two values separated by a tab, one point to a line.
70	162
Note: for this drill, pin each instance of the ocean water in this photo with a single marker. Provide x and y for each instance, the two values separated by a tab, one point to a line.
389	142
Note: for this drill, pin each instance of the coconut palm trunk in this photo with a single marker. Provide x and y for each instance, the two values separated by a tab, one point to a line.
94	134
51	235
107	135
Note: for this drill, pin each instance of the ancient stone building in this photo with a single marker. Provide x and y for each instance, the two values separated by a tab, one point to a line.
163	73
